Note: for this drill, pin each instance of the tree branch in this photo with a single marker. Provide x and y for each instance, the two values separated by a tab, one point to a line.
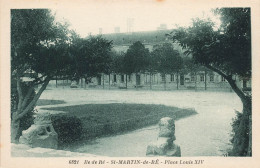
232	82
33	102
37	82
27	97
217	70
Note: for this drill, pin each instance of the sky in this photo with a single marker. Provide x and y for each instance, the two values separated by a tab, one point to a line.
88	19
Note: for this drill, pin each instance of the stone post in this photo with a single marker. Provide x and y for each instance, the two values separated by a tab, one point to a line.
165	146
41	133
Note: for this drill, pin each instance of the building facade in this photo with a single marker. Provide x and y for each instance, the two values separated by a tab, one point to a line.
202	80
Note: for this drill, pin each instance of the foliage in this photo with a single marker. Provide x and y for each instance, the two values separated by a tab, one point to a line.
117	64
240	137
189	66
136	58
194	38
168	60
38	43
144	36
91	56
68	128
235	40
152	63
226	51
39	50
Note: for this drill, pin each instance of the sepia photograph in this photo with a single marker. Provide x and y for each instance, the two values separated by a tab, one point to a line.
156	80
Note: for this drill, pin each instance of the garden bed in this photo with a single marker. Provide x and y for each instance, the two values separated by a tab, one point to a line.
95	120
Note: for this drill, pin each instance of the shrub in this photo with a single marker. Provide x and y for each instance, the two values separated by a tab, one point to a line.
68	128
240	135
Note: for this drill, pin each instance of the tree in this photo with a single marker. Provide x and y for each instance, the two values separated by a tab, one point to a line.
27	120
168	60
119	66
227	52
152	65
136	59
91	57
189	66
38	50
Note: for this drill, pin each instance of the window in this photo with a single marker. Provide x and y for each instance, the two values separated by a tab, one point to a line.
223	79
114	78
172	77
202	78
129	77
211	78
122	78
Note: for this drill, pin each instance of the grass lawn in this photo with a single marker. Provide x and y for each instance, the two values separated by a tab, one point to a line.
116	112
45	102
95	120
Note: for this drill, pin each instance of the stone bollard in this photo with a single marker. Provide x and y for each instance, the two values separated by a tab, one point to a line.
41	133
165	146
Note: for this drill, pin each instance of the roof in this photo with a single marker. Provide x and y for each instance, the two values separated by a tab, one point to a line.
144	37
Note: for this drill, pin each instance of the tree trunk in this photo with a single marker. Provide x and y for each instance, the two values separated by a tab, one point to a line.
205	79
243	137
150	81
126	81
109	81
195	81
249	149
247	112
81	82
15	129
56	81
103	81
245	122
24	109
164	81
86	82
177	80
136	81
